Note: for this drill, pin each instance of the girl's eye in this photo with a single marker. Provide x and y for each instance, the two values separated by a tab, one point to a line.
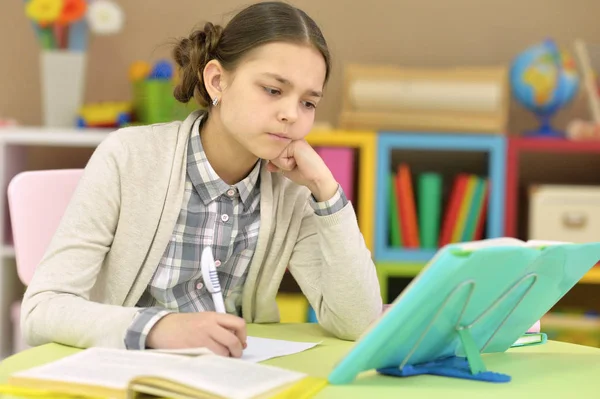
309	105
272	91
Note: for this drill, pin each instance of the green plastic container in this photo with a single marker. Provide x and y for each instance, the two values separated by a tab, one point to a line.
153	102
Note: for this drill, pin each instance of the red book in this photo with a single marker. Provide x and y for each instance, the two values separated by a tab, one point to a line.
406	207
456	196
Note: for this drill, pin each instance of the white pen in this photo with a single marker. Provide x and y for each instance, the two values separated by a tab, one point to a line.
211	279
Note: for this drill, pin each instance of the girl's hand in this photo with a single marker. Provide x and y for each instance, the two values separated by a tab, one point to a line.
223	334
300	163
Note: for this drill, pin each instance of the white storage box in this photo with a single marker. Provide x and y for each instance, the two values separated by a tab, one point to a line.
564	213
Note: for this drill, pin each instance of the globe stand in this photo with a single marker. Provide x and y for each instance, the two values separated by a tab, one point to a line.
546	130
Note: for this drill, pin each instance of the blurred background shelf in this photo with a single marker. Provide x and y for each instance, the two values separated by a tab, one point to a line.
361	171
544	161
405	255
387	271
446	156
64	137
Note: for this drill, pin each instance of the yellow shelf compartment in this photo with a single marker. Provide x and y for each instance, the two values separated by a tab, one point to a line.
385	270
293	307
592	277
366	144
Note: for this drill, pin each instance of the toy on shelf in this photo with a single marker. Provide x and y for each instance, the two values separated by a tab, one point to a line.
55	21
544	79
64	24
105	115
105	17
153	100
465	99
62	29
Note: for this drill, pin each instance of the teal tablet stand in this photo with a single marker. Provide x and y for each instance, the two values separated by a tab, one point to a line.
471	366
465	303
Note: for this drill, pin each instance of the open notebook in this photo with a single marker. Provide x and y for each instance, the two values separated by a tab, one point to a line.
117	373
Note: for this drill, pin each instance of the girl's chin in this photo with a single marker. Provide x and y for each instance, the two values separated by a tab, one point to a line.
268	152
267	156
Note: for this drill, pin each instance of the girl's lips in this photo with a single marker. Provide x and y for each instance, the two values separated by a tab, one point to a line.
279	136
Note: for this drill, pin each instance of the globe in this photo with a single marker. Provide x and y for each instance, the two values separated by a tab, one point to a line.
544	79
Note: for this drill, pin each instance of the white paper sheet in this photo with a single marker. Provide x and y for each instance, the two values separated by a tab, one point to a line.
258	350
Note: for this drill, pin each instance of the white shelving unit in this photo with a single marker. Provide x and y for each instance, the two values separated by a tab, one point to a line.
13	144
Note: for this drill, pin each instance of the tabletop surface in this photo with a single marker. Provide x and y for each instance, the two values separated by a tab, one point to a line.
552	370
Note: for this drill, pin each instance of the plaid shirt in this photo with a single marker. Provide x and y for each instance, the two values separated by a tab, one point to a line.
212	213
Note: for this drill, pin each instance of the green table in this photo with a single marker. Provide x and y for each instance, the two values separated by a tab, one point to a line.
553	370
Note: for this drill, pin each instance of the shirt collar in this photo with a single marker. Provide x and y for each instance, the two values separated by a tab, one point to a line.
206	181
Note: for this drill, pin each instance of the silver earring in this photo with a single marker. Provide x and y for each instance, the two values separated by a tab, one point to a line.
215	101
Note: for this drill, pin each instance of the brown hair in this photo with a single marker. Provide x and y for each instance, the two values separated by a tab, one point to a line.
254	26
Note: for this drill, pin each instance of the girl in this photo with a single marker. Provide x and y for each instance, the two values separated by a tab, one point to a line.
123	269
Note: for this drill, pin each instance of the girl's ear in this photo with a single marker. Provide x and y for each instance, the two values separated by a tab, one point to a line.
213	78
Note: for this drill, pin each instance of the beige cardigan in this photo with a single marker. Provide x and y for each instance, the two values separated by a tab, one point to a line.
121	218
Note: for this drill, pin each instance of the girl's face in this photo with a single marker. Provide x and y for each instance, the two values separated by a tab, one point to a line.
270	99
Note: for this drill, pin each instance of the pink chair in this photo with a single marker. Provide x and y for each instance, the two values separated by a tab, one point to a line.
37	201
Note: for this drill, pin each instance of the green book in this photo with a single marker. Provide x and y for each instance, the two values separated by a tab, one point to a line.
394	222
429	199
474	211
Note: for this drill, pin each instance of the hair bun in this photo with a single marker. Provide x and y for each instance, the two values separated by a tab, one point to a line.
191	55
207	40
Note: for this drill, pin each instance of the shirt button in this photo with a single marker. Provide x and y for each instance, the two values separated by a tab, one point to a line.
224	217
217	263
231	192
199	286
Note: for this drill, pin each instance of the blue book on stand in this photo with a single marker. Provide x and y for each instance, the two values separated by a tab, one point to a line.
471	298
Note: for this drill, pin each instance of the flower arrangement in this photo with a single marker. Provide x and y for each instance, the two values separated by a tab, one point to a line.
65	24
